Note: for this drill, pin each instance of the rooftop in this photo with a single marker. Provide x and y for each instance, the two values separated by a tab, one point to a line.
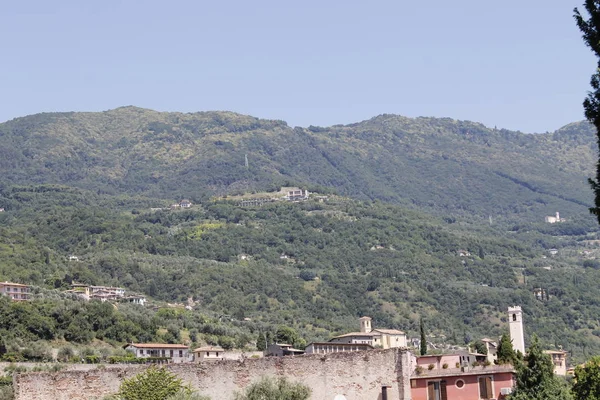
440	373
157	346
209	348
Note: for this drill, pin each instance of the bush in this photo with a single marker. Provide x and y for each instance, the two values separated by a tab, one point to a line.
269	388
430	367
419	370
152	384
65	354
445	366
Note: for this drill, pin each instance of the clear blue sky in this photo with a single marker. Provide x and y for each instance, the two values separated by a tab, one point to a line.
516	64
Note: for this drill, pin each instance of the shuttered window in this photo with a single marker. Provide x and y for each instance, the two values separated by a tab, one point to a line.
443	392
485	388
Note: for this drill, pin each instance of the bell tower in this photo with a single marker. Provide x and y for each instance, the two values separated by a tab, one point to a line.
365	324
515	324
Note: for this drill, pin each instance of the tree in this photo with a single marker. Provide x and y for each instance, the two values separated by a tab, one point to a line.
288	335
480	347
152	384
590	29
423	338
506	352
536	379
261	342
587	380
270	389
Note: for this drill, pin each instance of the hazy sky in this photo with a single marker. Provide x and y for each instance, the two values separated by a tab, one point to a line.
516	64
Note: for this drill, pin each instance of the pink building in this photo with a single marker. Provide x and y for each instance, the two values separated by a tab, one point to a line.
451	376
15	291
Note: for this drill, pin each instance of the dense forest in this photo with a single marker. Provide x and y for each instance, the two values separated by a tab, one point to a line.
314	266
436	164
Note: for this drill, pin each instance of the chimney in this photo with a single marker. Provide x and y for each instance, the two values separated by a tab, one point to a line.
557	217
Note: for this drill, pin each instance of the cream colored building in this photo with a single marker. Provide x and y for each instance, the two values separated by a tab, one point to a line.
381	338
209	353
559	360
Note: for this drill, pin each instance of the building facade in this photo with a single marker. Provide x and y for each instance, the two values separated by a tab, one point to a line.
16	291
209	353
175	353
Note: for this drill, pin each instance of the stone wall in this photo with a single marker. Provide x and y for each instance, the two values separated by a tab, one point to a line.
356	375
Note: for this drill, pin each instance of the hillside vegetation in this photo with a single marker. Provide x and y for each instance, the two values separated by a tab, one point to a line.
312	266
443	165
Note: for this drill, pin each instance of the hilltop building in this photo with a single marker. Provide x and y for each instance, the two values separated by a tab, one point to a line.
209	353
554	219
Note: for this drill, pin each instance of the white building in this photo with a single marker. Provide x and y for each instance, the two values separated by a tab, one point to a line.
176	353
209	353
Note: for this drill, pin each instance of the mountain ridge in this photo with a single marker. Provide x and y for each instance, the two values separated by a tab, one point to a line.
441	164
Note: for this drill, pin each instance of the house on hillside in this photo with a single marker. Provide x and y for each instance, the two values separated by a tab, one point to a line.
294	193
553	219
209	353
16	291
185	203
382	338
559	360
134	299
174	353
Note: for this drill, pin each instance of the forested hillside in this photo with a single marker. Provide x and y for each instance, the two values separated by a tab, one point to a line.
441	165
314	266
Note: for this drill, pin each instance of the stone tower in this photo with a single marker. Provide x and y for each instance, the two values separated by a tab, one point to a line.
515	323
365	324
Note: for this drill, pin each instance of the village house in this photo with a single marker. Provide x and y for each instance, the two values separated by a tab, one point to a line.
16	291
175	353
294	193
134	299
185	203
282	349
451	376
209	353
559	360
380	338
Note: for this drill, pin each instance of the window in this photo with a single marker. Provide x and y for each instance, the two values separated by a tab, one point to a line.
207	353
485	387
142	352
180	353
436	390
171	353
514	317
459	384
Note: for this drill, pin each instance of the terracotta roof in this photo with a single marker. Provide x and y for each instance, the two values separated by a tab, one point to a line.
555	352
390	331
158	346
372	333
11	284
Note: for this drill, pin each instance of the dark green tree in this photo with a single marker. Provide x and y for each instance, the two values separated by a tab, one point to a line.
506	352
261	342
590	28
423	338
536	379
587	380
480	347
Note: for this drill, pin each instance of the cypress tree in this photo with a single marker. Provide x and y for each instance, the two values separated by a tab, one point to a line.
423	338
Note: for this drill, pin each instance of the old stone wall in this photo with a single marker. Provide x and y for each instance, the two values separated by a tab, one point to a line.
356	375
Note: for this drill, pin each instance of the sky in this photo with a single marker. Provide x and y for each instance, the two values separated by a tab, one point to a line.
513	64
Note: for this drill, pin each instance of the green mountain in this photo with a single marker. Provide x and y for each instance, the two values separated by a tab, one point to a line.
443	165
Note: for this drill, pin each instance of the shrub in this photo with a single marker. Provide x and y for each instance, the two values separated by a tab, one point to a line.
445	366
457	365
419	370
65	354
268	388
430	367
152	384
